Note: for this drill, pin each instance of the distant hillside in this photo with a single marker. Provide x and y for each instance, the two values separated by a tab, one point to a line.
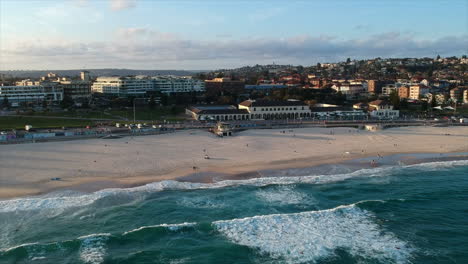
96	72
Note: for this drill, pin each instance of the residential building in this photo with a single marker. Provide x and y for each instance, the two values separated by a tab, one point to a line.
382	110
263	109
388	89
417	91
374	86
31	94
456	94
76	88
84	75
171	84
350	89
404	92
123	86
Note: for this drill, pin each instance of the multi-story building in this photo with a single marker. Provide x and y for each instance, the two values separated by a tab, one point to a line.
31	94
382	110
170	84
350	89
403	92
140	85
374	86
263	109
123	86
220	86
76	88
456	94
417	91
388	89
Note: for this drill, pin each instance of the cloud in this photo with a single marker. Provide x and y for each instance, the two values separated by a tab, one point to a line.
122	4
147	48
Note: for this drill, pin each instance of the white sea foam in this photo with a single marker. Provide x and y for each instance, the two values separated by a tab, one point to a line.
93	248
200	202
66	201
171	227
311	236
18	246
283	195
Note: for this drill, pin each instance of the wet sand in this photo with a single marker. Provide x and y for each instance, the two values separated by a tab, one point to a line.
90	165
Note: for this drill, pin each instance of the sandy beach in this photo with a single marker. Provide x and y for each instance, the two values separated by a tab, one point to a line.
89	165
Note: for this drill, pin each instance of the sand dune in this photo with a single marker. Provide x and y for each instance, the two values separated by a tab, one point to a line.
89	165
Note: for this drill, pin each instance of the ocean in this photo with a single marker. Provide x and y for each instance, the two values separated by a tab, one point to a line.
390	214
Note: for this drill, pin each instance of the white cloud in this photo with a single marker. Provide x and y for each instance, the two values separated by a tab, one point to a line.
122	4
146	48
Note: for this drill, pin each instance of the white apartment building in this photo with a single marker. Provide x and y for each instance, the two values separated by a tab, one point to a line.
350	88
263	109
31	93
170	84
139	85
123	86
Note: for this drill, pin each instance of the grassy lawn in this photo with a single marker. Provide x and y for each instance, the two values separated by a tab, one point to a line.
164	113
79	114
18	122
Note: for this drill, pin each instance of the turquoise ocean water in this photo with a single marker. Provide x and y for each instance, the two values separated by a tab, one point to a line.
391	214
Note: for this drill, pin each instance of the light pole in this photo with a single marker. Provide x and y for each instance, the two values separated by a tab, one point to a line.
134	119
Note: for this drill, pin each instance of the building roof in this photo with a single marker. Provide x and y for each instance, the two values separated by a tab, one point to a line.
223	112
260	103
379	102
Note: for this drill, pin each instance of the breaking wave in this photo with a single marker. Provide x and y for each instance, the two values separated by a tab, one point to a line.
315	235
66	200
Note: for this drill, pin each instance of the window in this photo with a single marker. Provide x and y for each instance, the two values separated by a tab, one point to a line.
255	109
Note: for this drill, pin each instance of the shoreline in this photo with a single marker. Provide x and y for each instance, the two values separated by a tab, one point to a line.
92	165
211	176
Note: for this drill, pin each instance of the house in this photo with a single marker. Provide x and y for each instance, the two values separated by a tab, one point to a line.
382	110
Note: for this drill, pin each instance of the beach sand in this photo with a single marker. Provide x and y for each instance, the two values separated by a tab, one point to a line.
90	165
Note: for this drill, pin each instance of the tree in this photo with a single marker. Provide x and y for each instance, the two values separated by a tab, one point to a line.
67	102
433	101
438	57
424	105
348	60
152	102
5	102
164	99
394	99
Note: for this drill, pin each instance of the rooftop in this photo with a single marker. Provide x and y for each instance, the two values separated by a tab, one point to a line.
260	103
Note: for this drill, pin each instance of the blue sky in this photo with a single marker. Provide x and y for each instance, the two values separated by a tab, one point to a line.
153	34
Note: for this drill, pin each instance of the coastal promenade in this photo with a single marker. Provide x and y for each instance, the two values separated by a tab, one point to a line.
169	127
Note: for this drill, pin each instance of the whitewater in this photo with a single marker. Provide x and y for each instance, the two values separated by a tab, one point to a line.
389	214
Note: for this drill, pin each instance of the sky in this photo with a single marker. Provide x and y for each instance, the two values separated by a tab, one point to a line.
208	34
